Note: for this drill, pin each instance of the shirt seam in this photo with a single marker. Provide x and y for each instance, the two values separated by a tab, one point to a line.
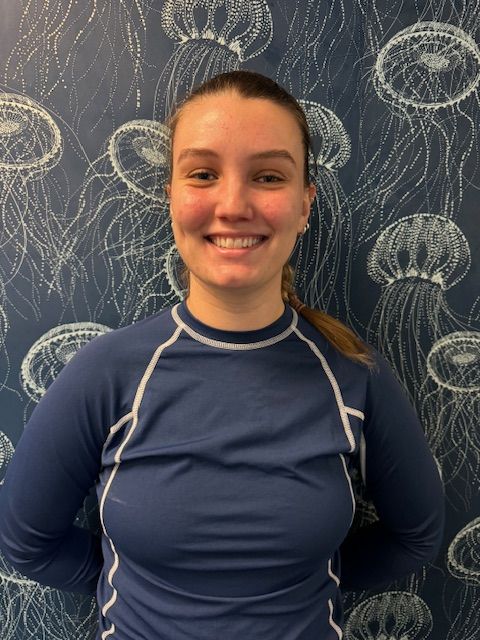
335	387
331	621
235	346
133	414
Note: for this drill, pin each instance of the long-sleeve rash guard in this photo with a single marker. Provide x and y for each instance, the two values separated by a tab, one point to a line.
220	461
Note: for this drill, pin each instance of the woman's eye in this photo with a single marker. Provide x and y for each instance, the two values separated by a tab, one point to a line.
202	175
269	178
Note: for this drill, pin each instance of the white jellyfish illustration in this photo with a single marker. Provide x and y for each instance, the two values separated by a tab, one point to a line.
4	359
463	563
165	287
211	37
51	352
320	46
4	324
87	55
6	454
322	261
31	207
122	228
393	615
416	260
463	554
428	65
31	610
450	411
419	131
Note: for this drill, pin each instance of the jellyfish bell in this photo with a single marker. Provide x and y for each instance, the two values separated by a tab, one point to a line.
52	351
427	66
65	352
12	123
393	615
149	152
463	560
454	362
437	62
139	153
173	266
423	246
242	26
329	134
217	35
31	142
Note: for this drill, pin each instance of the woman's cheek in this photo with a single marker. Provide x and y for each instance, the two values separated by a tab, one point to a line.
275	212
193	211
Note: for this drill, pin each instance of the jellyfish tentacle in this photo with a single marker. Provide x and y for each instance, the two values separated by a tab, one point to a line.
451	398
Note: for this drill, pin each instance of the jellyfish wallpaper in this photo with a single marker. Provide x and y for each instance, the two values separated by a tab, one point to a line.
391	92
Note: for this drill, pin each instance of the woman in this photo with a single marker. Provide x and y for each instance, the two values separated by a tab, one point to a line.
218	433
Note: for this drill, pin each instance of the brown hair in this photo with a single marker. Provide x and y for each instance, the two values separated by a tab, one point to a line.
250	84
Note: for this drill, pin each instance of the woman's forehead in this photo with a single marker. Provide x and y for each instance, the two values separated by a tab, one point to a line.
210	117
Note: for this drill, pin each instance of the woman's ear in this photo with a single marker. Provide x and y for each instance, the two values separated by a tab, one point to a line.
167	190
309	197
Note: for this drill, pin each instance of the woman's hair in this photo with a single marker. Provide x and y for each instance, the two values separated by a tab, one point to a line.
249	84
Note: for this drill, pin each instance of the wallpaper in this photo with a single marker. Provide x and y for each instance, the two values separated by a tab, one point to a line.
391	93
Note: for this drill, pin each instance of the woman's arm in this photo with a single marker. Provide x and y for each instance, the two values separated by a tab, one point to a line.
404	484
56	462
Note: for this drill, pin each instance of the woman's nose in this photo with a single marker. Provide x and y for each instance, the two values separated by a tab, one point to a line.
234	200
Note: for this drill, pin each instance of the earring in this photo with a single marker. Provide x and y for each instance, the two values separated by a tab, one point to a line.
306	228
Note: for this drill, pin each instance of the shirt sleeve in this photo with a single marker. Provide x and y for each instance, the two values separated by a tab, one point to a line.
55	464
404	484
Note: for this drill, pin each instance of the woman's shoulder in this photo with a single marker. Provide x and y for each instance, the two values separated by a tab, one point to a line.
334	357
128	344
147	330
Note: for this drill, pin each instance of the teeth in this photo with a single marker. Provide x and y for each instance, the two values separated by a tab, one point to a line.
235	243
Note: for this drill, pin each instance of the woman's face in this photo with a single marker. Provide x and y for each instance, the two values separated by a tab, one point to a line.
238	198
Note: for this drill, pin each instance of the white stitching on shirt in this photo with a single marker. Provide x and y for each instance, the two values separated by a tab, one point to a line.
332	622
118	458
350	486
331	574
236	346
223	345
355	412
335	386
116	427
110	631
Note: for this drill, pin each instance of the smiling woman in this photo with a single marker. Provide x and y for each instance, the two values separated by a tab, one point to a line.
220	433
237	179
248	141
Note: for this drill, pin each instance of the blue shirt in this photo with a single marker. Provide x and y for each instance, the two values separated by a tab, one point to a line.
220	461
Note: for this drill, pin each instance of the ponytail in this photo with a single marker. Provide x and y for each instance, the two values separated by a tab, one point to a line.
337	333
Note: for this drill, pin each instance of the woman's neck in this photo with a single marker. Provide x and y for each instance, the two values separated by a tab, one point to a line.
232	311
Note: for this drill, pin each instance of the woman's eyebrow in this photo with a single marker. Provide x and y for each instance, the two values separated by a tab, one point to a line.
274	153
271	153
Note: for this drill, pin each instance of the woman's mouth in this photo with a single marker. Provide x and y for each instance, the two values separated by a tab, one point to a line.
242	242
